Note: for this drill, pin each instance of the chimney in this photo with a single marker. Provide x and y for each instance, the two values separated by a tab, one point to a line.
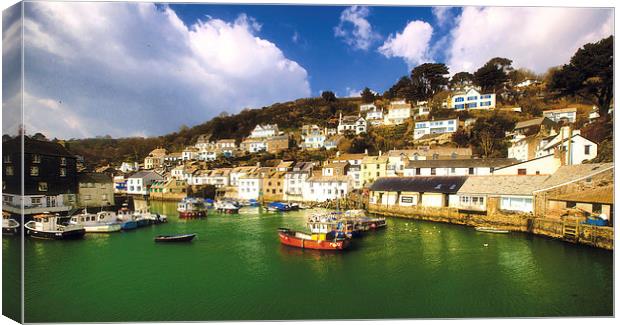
380	153
366	151
338	153
258	164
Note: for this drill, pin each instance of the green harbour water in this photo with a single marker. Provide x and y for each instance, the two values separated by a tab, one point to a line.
236	269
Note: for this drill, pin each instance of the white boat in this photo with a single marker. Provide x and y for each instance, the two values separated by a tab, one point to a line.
9	226
227	206
492	230
104	221
50	226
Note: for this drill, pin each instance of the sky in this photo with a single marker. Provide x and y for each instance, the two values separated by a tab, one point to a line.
143	69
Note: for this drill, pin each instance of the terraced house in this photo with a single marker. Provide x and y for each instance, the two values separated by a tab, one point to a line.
471	99
373	167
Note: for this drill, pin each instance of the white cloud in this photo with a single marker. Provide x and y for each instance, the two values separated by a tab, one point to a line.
136	68
360	35
412	44
535	38
443	15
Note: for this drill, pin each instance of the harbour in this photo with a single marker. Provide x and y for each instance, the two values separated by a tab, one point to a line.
236	269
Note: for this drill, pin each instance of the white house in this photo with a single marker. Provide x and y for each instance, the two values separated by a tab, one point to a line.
367	107
423	128
254	145
398	112
295	180
313	137
355	166
264	131
127	167
455	167
513	193
207	155
375	116
471	99
219	177
527	82
250	186
320	188
237	172
356	124
422	107
190	153
140	182
545	165
557	115
575	151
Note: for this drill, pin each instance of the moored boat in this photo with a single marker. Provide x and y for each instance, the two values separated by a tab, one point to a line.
192	208
278	207
227	206
329	241
492	230
174	238
104	221
50	226
9	226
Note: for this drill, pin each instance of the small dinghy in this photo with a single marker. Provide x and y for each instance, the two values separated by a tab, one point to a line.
492	230
174	238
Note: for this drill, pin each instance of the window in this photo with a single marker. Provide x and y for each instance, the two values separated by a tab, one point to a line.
377	174
460	106
472	98
571	204
597	208
459	99
63	161
36	158
433	171
8	170
86	197
63	172
452	170
35	200
586	149
471	171
418	171
521	171
104	197
34	171
7	159
42	186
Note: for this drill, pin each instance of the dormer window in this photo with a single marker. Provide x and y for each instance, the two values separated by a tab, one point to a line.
63	161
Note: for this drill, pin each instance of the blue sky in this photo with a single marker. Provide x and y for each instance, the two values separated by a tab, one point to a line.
143	69
330	62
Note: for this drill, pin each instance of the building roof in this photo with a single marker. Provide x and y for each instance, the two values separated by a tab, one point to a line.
144	173
572	173
462	163
350	156
41	147
533	122
351	119
375	160
225	140
561	110
285	164
503	184
336	165
427	184
434	136
94	178
440	151
321	178
158	152
603	195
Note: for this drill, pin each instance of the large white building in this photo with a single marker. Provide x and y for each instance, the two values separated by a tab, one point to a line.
562	114
575	151
455	167
398	112
295	180
375	116
313	137
139	183
352	123
423	128
471	99
264	131
320	188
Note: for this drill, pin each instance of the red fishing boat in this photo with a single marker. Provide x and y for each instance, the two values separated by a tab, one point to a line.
191	208
328	241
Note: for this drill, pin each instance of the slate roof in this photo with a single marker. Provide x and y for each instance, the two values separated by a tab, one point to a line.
503	184
528	123
145	173
571	173
604	195
462	163
441	151
47	148
429	184
94	178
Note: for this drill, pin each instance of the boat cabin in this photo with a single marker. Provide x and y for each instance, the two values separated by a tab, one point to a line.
48	221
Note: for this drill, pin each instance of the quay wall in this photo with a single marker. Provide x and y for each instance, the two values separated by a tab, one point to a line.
599	237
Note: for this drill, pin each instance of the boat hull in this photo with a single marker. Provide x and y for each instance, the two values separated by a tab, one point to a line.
175	239
329	245
129	225
492	230
143	222
57	235
192	214
228	211
103	228
10	230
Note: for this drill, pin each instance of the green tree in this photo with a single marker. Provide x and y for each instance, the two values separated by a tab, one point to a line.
460	138
589	75
401	89
461	79
493	75
427	79
328	96
488	134
367	95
